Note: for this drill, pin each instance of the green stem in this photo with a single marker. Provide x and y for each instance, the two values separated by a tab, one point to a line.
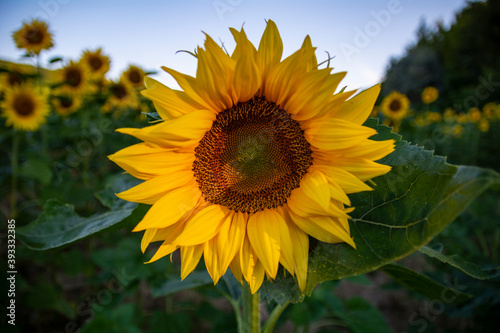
251	310
14	165
273	318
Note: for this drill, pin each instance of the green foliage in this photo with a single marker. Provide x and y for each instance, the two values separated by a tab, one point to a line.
457	60
422	284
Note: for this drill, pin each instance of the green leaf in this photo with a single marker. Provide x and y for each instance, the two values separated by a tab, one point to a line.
362	317
59	225
424	285
174	285
55	59
407	208
463	265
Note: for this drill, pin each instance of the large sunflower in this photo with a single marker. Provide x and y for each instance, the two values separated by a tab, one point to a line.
255	154
395	106
25	107
96	62
33	37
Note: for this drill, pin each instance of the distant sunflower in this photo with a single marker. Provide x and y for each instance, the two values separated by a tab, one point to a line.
66	104
120	95
13	75
134	76
97	63
484	125
429	95
489	110
74	77
395	106
25	107
33	37
474	115
255	154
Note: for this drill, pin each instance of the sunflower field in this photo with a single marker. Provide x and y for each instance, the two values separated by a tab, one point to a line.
263	196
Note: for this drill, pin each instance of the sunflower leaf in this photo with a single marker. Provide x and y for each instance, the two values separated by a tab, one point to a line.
461	264
59	225
424	285
408	207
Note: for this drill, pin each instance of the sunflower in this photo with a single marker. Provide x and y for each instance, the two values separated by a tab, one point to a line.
134	76
449	114
25	107
121	95
74	77
474	115
429	95
66	104
489	110
96	62
255	154
395	106
483	125
33	37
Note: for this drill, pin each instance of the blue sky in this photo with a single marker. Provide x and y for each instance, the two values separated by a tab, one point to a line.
361	34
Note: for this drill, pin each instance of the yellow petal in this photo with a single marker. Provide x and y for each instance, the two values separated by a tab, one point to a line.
182	131
230	239
360	167
300	242
190	256
235	267
324	228
264	236
144	161
315	186
189	86
369	149
164	250
168	102
146	238
171	207
212	259
247	78
312	62
203	226
347	181
270	48
334	134
358	108
153	189
247	259
303	205
257	278
287	246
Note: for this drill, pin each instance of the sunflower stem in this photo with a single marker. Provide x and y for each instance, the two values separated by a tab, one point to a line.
14	164
251	310
273	318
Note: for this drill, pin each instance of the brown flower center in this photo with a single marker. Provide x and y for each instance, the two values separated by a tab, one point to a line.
395	105
73	77
252	158
33	36
96	63
119	91
24	105
135	77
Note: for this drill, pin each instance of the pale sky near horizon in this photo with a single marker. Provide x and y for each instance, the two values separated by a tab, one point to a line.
361	34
